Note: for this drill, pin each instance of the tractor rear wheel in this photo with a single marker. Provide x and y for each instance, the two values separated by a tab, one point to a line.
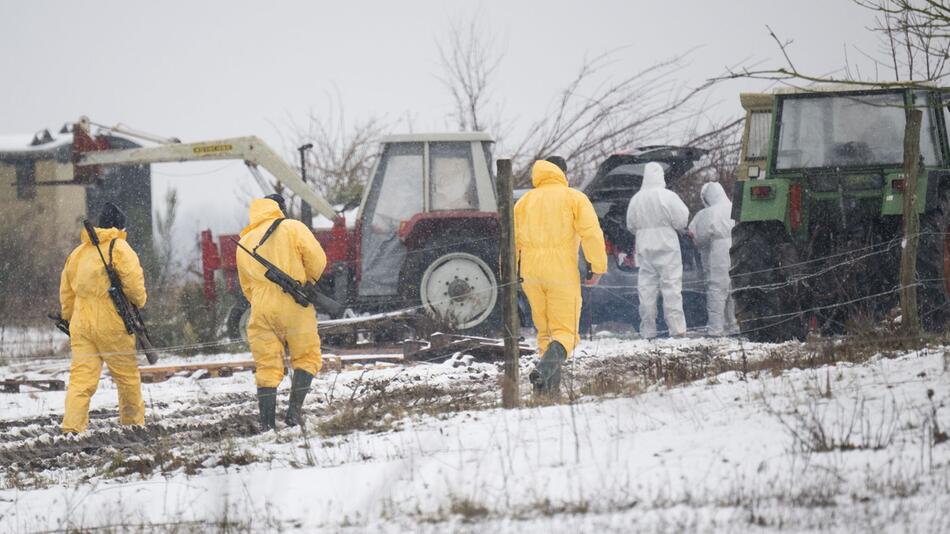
933	265
767	307
456	284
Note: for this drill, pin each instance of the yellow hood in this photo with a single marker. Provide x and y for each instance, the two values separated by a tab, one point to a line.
546	173
104	234
262	210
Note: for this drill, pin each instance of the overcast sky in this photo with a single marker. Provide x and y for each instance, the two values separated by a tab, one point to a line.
204	70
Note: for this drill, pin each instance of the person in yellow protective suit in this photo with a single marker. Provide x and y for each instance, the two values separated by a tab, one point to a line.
96	332
551	221
276	319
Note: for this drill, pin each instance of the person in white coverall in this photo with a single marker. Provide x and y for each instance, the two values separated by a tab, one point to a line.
656	215
711	230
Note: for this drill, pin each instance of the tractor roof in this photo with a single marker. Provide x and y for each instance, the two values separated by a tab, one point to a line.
852	87
451	136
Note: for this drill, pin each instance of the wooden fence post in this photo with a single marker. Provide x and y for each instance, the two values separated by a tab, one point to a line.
508	291
910	321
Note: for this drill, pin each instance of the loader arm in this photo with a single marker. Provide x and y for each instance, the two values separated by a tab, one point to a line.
252	150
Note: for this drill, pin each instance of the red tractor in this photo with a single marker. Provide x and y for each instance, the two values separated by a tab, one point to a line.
425	236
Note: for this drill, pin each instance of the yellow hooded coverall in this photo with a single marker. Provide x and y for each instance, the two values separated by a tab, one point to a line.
551	221
275	317
96	332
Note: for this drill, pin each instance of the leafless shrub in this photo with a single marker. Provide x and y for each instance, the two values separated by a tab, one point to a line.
817	426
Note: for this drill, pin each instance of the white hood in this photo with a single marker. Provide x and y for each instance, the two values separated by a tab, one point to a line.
655	213
653	177
712	194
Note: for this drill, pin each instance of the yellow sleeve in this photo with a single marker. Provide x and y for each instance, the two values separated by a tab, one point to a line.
311	253
67	297
126	263
587	227
519	242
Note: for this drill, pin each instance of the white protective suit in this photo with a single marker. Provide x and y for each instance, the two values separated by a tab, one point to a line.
712	233
654	215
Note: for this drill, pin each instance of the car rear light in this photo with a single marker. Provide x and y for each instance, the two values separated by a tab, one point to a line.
898	185
795	214
761	192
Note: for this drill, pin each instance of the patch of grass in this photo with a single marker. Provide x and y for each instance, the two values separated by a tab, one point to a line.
25	480
377	405
468	509
629	375
547	508
233	456
605	382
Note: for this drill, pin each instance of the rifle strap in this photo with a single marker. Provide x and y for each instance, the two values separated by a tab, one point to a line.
111	248
267	234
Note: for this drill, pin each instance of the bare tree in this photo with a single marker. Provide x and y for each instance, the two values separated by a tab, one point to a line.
343	153
721	143
591	117
915	48
596	115
470	58
915	36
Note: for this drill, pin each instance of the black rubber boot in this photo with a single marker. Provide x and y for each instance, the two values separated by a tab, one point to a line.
267	403
300	386
546	376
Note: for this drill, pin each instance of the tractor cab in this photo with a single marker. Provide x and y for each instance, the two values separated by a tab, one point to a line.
420	181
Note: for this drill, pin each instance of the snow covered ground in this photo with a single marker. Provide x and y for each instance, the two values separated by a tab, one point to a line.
669	436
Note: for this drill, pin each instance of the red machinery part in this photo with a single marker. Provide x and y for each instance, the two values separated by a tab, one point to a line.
795	206
229	260
210	261
83	142
761	192
421	225
340	243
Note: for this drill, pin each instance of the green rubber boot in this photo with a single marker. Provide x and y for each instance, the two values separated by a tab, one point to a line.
546	376
300	386
267	403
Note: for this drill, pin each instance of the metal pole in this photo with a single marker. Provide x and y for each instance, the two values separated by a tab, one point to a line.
908	275
510	394
306	213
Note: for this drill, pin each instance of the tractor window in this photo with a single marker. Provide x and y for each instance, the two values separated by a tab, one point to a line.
452	177
758	145
395	197
399	198
846	131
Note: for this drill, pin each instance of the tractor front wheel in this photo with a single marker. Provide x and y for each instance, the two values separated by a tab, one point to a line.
767	306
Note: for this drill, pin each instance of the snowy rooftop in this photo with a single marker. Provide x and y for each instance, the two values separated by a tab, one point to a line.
40	141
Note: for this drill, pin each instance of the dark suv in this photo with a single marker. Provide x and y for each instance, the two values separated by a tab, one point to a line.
617	179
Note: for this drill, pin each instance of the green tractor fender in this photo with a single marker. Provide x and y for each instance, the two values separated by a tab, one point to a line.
761	200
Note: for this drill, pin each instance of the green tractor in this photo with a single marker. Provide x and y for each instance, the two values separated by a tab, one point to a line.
818	206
